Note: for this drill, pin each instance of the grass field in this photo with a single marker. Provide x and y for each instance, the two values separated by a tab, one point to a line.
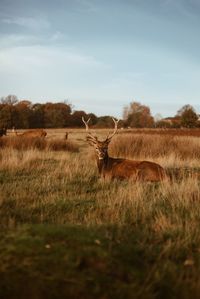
66	233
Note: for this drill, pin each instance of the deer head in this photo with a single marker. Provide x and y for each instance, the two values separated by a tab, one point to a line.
101	147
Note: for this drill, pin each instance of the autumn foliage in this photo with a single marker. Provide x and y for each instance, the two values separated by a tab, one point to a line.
23	114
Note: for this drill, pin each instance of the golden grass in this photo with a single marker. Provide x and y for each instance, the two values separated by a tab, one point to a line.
156	146
68	176
153	225
29	143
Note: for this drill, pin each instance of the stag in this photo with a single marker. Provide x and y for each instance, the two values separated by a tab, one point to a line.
32	133
3	132
118	168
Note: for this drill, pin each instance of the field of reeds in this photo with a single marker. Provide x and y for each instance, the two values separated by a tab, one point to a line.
66	233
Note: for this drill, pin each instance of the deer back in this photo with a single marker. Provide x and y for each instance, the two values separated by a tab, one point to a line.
34	133
135	170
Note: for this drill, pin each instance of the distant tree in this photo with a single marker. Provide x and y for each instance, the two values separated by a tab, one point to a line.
56	115
162	124
93	118
104	122
188	116
189	119
138	116
158	117
6	119
7	115
10	99
126	112
76	118
8	111
183	109
37	116
23	111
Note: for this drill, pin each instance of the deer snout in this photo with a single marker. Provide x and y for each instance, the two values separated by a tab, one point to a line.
100	154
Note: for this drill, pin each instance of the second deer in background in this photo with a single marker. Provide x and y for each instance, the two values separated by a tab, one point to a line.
31	133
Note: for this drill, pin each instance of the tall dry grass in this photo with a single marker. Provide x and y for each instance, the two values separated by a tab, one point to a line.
156	146
30	143
170	151
167	132
65	187
151	230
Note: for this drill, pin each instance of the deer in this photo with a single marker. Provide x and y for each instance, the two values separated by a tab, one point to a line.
121	168
32	133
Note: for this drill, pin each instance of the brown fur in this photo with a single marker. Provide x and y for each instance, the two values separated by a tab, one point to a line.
129	169
33	133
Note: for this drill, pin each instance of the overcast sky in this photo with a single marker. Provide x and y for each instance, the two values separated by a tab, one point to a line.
100	55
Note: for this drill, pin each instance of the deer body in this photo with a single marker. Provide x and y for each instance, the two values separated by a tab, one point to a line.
33	133
116	168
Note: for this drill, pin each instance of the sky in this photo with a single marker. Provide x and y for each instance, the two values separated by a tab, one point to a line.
100	55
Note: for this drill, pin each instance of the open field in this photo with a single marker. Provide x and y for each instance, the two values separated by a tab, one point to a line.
65	233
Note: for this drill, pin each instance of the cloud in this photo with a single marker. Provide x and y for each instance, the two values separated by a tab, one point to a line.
26	59
188	9
86	6
45	72
16	40
30	40
57	36
28	22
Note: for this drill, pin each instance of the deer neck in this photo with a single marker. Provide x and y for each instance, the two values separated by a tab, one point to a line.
102	163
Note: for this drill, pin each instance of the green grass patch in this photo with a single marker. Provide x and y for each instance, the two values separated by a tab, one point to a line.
47	261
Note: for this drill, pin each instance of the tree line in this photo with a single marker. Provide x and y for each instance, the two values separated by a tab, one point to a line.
23	114
139	116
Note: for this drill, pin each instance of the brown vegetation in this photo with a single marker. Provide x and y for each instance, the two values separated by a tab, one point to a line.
171	132
27	143
156	146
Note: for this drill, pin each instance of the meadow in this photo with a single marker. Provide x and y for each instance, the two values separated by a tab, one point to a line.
66	233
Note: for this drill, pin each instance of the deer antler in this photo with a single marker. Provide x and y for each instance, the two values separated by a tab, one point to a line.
90	137
86	123
93	139
115	129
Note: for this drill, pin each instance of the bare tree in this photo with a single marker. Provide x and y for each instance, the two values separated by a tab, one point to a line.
137	115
